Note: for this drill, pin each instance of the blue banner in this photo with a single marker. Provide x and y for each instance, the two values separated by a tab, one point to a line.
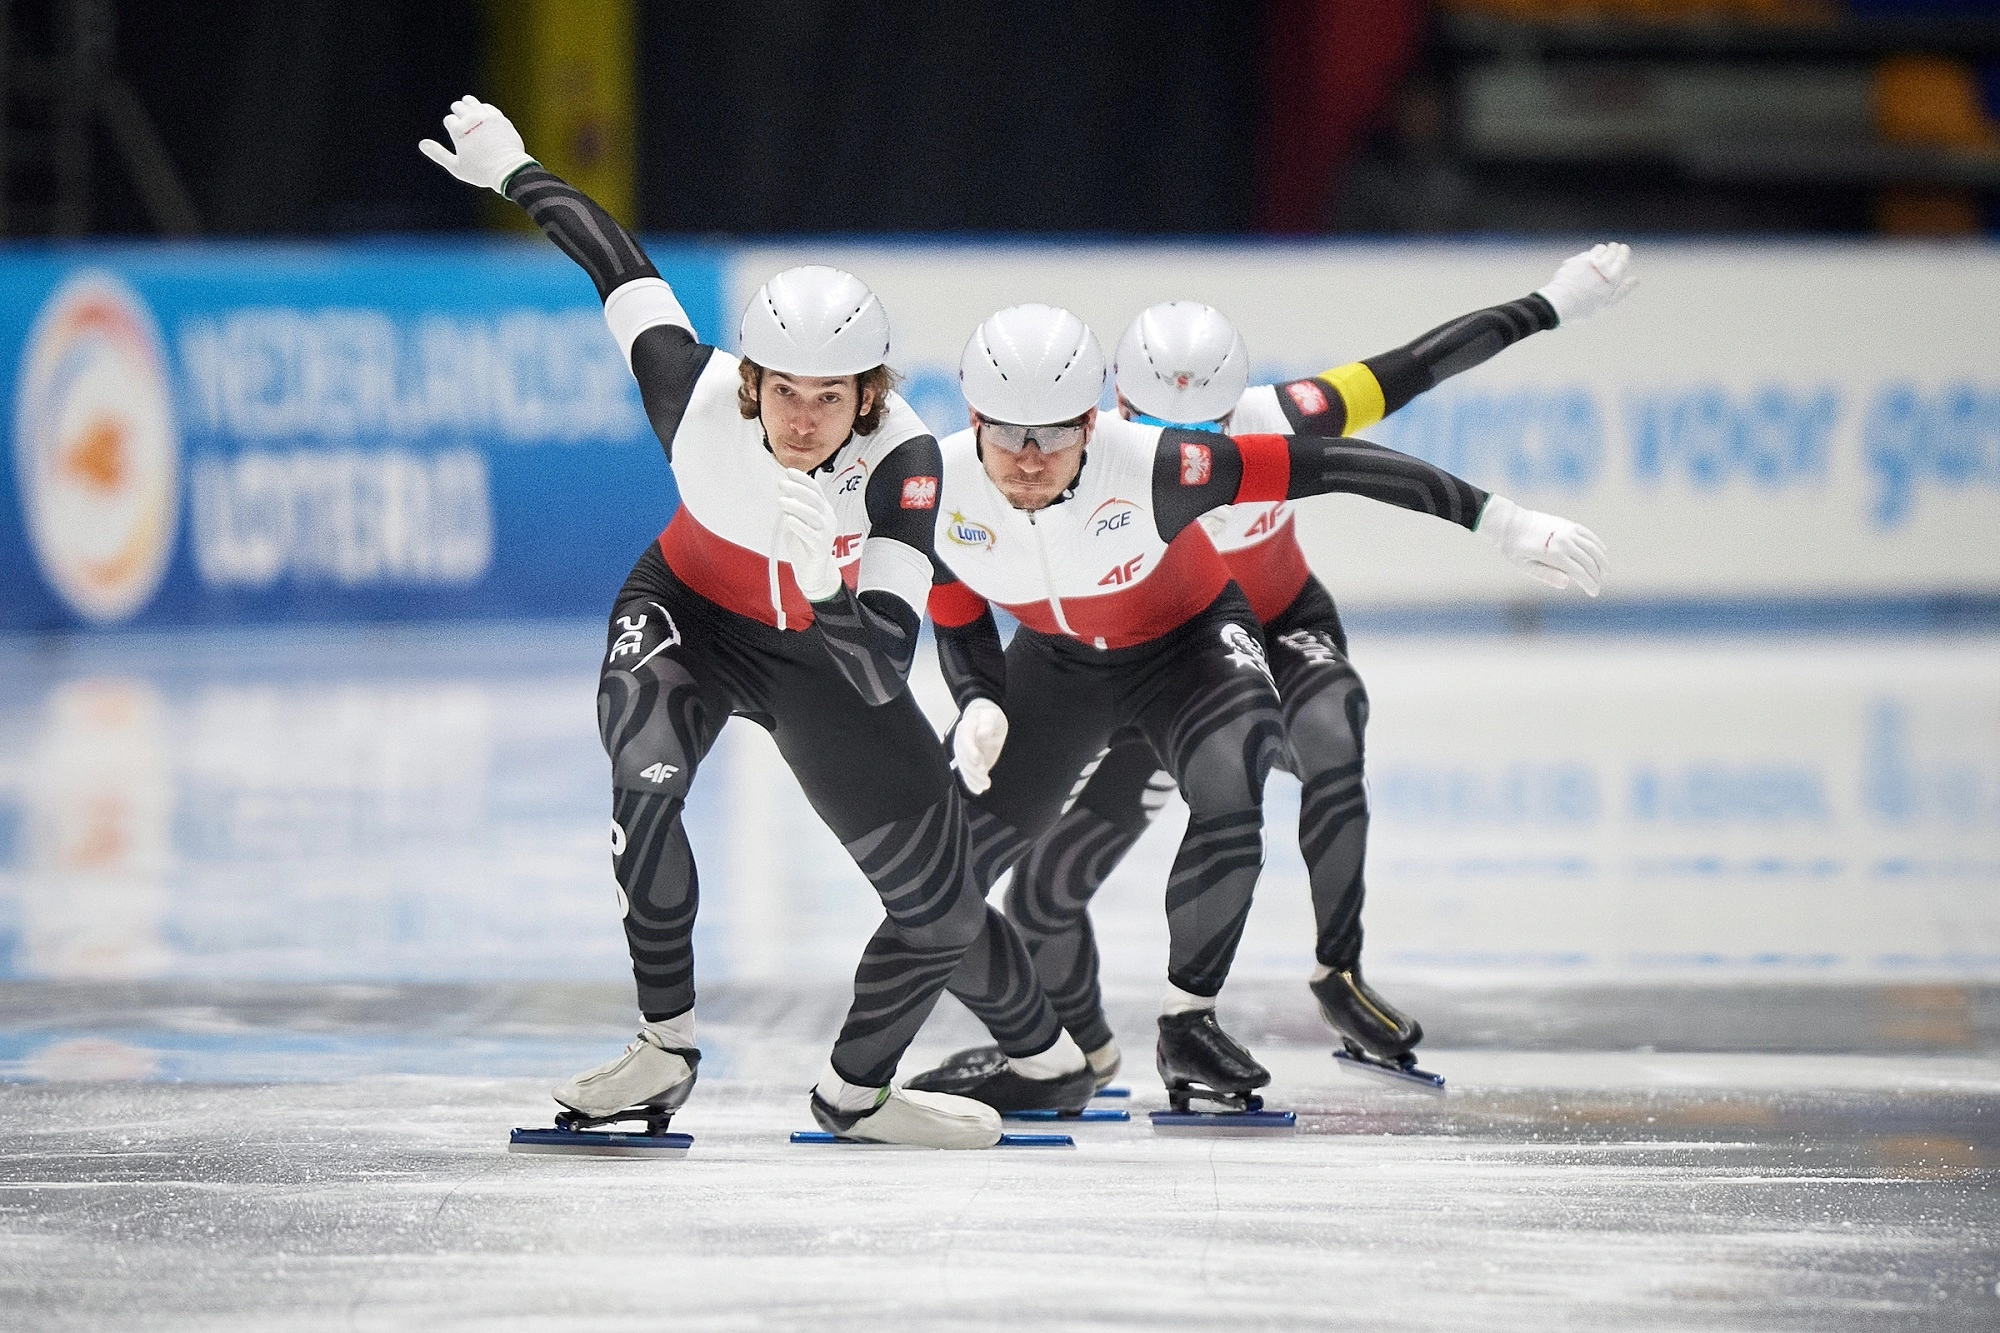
255	434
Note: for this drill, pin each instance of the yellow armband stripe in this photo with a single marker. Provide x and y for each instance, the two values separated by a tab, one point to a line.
1360	391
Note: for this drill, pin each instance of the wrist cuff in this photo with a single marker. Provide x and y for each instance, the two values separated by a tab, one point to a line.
507	177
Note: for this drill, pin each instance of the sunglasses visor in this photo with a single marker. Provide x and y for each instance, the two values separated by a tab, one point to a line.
1049	439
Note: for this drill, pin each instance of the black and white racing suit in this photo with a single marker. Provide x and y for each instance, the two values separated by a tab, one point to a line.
1325	703
711	625
1129	621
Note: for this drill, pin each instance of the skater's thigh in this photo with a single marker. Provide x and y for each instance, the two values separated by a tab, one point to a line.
860	766
1129	784
660	703
1325	703
1212	715
1059	718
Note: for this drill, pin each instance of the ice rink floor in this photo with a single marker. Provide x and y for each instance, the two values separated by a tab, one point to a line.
294	926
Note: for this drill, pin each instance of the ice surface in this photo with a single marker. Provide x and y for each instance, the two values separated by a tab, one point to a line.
295	926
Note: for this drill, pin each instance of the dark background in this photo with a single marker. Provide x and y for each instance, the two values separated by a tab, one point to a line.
1179	116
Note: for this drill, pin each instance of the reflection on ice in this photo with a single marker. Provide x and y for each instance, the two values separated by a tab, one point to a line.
431	805
96	845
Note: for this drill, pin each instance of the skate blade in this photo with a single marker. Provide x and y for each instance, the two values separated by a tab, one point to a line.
1410	1078
598	1143
1089	1116
820	1138
1112	1092
1224	1122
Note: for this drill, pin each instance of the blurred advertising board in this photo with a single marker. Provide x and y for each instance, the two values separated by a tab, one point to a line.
253	434
1759	426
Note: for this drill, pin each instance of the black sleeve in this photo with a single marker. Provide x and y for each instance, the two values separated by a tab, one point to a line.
1355	396
973	662
1458	346
872	638
902	496
1193	472
1186	486
580	229
1327	466
666	359
873	635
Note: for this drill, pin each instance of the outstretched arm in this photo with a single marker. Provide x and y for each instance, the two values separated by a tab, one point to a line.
652	330
1355	396
1194	471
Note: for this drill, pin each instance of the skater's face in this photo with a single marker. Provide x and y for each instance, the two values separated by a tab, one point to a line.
1032	477
806	417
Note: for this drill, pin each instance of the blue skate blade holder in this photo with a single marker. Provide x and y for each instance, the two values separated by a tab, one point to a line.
1406	1076
821	1137
1112	1092
598	1143
1224	1122
1087	1116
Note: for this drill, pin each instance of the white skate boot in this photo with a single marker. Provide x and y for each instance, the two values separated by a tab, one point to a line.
650	1074
1104	1063
919	1119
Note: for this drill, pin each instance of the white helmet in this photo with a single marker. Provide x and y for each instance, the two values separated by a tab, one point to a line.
815	320
1032	365
1183	361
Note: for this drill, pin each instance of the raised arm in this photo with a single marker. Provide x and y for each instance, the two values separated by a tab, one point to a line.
652	329
1355	396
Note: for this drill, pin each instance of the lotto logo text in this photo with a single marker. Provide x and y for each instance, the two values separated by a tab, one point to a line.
962	531
1307	396
1196	464
920	492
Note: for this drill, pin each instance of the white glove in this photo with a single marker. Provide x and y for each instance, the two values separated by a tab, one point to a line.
1554	550
1593	281
976	742
489	147
806	529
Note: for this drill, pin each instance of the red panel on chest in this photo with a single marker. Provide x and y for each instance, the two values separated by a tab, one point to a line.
1147	604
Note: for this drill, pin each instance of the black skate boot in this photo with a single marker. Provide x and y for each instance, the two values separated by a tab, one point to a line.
1198	1061
1376	1036
983	1074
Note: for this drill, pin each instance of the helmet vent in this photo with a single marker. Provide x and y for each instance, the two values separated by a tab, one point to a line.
852	315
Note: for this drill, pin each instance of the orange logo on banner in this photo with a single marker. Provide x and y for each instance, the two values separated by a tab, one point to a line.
96	448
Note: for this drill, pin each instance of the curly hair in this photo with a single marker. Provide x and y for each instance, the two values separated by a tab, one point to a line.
881	379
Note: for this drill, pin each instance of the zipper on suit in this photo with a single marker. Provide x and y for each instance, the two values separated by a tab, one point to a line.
771	566
1049	580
